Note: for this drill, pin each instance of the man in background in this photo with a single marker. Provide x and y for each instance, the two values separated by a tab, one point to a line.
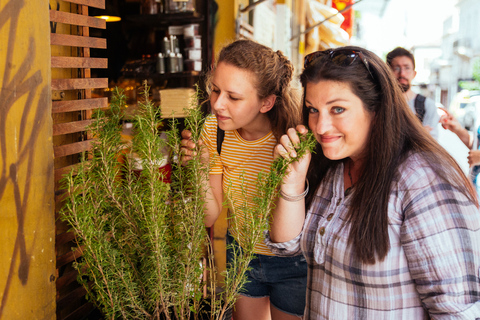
402	63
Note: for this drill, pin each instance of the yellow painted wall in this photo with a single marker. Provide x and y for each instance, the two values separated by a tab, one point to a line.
27	255
226	16
225	24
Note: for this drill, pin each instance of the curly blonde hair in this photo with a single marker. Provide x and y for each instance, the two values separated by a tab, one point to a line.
273	75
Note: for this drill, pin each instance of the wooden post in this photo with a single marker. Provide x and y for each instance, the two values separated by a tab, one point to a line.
27	255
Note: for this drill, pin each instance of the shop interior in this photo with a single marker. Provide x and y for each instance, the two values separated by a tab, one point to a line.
166	43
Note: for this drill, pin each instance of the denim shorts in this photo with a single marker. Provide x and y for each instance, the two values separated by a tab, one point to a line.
283	279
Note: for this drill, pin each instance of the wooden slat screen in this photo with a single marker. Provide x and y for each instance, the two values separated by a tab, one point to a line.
76	19
68	278
70	127
68	257
72	148
79	83
74	62
77	41
72	105
100	4
64	170
76	105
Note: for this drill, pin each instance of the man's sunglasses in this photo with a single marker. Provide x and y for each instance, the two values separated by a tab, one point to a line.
340	57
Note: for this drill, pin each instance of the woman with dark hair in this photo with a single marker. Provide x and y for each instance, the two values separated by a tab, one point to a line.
390	227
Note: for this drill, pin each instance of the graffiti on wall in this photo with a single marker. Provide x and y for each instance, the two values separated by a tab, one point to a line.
23	115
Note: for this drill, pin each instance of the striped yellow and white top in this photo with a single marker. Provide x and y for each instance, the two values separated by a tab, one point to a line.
240	160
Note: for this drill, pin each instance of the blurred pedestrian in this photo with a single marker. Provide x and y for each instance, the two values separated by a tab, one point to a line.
402	63
386	218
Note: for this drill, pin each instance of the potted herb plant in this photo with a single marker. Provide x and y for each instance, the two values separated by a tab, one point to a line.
146	253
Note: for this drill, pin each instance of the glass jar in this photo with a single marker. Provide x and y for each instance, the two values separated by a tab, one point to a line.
176	6
159	6
149	7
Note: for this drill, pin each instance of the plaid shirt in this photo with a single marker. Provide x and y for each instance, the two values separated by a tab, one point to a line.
432	268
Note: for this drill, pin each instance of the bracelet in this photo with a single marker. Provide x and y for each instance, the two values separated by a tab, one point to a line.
297	197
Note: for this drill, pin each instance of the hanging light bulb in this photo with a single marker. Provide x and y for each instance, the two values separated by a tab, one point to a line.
110	14
109	18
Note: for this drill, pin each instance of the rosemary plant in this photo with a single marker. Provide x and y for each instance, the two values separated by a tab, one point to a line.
145	250
102	221
258	218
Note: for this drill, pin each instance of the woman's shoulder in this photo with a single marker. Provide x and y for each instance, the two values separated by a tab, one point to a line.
210	126
418	169
415	160
209	131
424	173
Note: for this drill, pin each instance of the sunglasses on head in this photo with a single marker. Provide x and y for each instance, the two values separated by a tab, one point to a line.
340	57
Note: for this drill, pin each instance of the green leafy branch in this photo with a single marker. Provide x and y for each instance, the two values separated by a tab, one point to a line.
257	216
143	241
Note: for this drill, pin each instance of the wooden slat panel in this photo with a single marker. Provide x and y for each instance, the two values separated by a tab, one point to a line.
86	73
70	127
61	171
100	4
77	19
79	83
79	62
77	41
77	105
60	196
66	279
65	237
72	148
86	311
73	295
69	257
71	302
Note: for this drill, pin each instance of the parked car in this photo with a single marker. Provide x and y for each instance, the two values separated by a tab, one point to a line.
463	107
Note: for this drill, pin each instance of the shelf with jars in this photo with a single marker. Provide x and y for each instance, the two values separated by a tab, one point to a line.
168	6
173	44
168	49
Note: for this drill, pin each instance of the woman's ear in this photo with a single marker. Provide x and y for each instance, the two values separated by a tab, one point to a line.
268	103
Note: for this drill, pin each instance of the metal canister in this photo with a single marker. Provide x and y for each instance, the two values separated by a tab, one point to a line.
179	61
172	62
160	63
174	44
166	46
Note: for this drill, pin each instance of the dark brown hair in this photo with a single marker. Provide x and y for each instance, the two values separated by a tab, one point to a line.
395	133
400	52
273	75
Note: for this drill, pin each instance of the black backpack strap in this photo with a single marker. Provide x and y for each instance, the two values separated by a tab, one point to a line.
420	106
220	136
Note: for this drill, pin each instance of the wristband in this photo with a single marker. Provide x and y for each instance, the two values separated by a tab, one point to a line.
297	197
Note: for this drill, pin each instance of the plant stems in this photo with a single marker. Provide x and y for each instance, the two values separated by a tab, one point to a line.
143	239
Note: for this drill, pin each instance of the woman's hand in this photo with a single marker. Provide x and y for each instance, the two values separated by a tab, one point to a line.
294	181
289	215
449	122
473	158
189	149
